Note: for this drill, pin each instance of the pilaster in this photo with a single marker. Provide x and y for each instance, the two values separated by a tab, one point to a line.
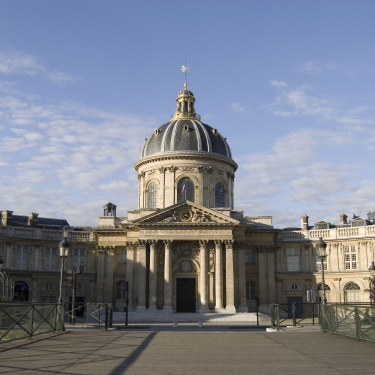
168	277
203	277
230	308
141	275
153	274
218	276
242	277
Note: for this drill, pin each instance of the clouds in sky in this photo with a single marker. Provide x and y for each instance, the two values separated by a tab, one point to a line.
19	63
67	159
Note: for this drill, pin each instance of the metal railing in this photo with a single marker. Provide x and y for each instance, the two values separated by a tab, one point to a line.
98	314
349	320
20	320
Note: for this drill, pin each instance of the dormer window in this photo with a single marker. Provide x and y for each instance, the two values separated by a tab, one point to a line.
214	131
186	128
322	225
157	131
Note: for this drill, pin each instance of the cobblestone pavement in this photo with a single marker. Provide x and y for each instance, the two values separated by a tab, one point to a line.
188	350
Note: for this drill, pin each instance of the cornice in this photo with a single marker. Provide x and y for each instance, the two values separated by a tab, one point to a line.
189	155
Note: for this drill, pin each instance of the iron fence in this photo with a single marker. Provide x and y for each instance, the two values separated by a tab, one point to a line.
20	320
98	314
349	320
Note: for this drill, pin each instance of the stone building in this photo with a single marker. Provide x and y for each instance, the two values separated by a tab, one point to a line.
185	249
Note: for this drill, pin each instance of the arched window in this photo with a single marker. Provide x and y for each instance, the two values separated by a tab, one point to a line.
327	290
249	256
219	195
152	195
185	190
121	292
352	292
122	257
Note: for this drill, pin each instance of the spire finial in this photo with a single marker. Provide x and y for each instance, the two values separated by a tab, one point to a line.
186	85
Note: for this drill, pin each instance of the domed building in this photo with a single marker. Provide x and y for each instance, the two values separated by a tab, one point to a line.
186	152
185	244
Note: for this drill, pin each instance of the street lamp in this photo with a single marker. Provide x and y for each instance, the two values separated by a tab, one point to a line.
372	283
321	247
64	250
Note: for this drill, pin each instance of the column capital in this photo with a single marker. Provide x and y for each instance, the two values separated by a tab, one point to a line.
152	242
203	243
228	244
218	242
142	243
131	244
167	242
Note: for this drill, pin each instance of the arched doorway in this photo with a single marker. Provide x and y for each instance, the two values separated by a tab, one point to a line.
21	292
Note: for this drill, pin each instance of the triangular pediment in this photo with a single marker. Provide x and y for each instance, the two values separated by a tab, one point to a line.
186	213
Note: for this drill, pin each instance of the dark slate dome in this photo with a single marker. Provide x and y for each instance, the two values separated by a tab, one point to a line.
185	133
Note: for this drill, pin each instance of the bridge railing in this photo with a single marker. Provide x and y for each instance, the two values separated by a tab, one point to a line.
20	320
354	321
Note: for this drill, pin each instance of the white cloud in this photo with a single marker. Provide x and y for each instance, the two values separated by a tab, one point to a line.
277	83
237	107
349	70
17	62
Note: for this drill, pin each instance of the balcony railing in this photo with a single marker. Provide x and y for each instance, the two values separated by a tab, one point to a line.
44	234
327	234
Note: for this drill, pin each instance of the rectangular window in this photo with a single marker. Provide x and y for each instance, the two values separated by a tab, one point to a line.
319	264
122	257
293	259
250	290
50	259
350	257
79	260
22	257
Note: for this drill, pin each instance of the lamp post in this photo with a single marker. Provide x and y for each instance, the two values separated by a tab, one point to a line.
64	250
372	284
321	247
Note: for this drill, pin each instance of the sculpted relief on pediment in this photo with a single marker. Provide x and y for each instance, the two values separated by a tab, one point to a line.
187	215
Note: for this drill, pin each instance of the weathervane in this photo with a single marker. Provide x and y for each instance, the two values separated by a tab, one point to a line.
185	69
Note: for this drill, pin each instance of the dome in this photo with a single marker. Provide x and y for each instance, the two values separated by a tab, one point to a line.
185	133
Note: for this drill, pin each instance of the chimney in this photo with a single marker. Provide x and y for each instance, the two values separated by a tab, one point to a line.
304	222
7	217
343	219
33	220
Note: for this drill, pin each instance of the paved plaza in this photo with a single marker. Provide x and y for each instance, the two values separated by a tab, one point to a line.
162	349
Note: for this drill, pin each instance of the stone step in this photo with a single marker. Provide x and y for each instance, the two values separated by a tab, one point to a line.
149	317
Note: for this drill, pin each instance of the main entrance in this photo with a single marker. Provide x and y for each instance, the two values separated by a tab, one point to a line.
185	295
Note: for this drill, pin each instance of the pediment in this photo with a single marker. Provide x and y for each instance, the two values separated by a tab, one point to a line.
186	213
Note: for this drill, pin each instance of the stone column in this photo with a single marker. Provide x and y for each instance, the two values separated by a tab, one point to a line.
230	308
153	274
204	277
108	283
168	277
141	275
242	278
218	276
130	249
100	275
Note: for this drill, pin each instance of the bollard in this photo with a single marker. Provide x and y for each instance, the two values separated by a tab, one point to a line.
106	318
200	324
175	324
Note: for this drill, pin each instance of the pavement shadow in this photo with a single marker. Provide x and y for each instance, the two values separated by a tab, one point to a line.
123	366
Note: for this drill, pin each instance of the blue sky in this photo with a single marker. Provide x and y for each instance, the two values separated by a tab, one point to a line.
289	83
